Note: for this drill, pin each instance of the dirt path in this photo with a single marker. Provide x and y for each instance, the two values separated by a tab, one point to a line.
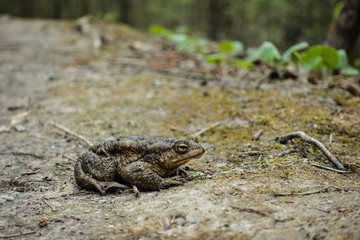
51	73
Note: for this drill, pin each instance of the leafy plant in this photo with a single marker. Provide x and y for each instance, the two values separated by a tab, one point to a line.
227	51
181	38
267	52
343	65
318	57
326	59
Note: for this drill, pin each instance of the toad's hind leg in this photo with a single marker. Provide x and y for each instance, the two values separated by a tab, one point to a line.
92	172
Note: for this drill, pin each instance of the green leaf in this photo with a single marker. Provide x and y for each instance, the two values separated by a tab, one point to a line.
244	64
349	71
329	57
357	63
233	47
297	47
342	58
178	38
156	30
238	47
337	10
267	52
216	58
311	64
225	47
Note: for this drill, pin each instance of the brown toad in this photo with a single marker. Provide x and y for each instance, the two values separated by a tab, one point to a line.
142	162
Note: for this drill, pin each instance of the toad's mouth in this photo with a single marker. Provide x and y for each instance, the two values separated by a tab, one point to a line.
196	155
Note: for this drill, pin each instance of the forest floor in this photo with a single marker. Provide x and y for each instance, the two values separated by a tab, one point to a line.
135	85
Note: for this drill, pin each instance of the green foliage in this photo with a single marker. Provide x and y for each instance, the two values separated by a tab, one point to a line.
326	59
337	10
318	57
357	63
181	38
268	52
227	51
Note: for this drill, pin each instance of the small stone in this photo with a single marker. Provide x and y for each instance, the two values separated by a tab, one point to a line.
43	222
6	198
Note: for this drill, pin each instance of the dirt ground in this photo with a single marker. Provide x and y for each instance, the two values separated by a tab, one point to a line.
133	85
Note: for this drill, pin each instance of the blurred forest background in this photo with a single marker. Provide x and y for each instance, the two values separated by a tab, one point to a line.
282	22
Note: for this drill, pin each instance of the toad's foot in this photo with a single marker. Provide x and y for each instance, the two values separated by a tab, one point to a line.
104	186
181	171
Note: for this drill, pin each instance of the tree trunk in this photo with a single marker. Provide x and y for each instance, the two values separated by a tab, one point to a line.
125	9
346	29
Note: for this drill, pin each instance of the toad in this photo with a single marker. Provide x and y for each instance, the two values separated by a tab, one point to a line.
142	162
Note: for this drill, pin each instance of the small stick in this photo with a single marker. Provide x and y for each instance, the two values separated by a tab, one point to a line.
51	206
285	138
250	153
257	135
18	234
284	152
28	154
205	129
74	134
303	194
136	191
68	157
329	168
30	173
173	128
249	210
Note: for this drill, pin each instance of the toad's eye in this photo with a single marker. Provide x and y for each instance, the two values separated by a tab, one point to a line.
181	147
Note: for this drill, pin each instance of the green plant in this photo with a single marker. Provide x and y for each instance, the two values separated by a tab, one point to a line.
318	57
326	59
267	52
181	38
227	51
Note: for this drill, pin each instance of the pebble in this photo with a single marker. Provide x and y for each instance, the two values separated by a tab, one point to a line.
6	198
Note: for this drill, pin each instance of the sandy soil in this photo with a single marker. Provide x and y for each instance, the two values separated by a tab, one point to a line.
51	73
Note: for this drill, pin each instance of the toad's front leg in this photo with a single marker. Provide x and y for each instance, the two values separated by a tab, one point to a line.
141	175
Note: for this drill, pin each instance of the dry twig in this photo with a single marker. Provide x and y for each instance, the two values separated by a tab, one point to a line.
68	157
136	191
250	153
74	134
305	193
205	129
51	206
285	138
35	155
18	234
249	210
329	168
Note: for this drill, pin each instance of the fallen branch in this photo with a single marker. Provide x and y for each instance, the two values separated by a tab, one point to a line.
18	234
285	138
205	129
329	168
74	134
305	193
